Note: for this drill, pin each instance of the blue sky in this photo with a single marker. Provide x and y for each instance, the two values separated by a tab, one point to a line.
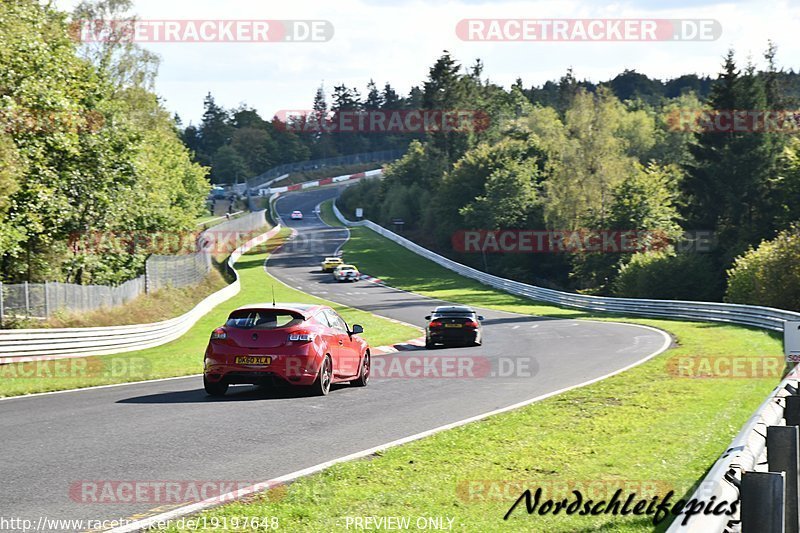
398	40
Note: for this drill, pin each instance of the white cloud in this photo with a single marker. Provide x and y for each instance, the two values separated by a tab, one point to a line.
397	41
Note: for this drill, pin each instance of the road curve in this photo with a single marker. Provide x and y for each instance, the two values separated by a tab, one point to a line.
170	431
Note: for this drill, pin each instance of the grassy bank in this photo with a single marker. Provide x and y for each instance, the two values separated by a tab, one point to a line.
156	306
646	430
184	356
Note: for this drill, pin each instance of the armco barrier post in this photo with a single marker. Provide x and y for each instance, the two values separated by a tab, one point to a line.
783	455
763	496
27	301
46	301
792	410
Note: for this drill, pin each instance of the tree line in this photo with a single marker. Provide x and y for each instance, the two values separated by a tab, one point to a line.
86	148
573	156
239	143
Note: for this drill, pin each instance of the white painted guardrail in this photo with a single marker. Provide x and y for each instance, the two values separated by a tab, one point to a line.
749	315
747	451
34	344
327	181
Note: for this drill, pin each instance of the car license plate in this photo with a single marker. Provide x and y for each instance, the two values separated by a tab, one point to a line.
452	325
254	360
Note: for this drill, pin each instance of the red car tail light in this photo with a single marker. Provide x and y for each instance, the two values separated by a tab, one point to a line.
219	334
301	336
471	324
435	324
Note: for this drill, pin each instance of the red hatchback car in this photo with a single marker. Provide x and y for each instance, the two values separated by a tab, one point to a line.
299	344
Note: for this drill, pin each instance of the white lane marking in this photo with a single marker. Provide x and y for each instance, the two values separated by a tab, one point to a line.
96	387
535	326
515	327
260	487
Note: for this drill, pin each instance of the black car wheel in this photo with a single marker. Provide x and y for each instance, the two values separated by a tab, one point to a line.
215	389
322	386
363	375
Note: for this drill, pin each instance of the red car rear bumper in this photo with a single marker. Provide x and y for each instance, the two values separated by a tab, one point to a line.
286	365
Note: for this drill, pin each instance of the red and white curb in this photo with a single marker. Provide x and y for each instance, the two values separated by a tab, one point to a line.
413	344
326	181
377	281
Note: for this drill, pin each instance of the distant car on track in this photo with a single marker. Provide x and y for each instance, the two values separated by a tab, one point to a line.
346	273
298	344
297	215
453	325
330	263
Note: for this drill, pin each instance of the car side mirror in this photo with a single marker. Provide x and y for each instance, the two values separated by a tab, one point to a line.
357	329
480	318
428	317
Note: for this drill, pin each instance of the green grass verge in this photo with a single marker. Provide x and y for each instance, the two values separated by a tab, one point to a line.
645	430
327	215
199	221
155	306
184	356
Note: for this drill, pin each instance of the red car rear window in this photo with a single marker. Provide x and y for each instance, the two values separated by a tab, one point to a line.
263	319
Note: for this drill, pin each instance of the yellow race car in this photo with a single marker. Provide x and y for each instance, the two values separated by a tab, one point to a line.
330	263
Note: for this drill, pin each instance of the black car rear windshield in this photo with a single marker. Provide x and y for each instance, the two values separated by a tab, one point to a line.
263	319
453	314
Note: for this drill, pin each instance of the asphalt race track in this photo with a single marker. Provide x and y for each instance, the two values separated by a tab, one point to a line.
170	430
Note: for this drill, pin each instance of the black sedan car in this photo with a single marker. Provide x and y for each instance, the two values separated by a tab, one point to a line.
453	325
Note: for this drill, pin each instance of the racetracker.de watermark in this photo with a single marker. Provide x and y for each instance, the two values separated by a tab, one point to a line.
168	492
398	121
433	366
20	121
588	30
734	120
727	367
117	367
158	242
202	31
504	490
520	241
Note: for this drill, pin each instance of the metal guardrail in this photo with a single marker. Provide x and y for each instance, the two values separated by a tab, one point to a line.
269	177
209	223
749	315
747	452
42	300
34	344
378	172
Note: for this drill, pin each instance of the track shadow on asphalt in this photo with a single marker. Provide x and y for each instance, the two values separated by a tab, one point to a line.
235	394
519	319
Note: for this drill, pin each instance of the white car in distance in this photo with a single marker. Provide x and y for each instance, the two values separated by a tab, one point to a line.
346	273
